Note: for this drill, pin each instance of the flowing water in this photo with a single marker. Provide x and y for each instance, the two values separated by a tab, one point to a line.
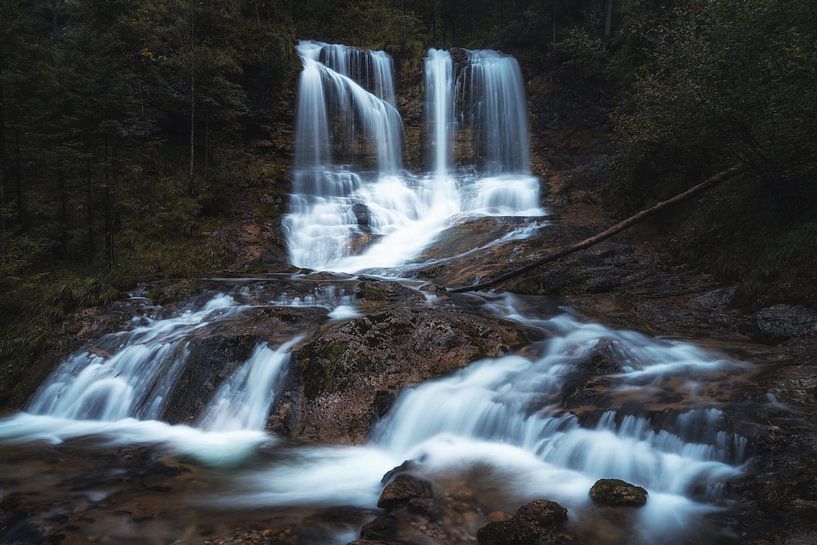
500	424
352	213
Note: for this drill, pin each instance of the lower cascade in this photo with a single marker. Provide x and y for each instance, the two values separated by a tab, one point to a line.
571	403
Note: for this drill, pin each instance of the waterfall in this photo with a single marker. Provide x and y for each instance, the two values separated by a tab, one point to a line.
492	103
499	423
353	206
126	374
244	400
439	105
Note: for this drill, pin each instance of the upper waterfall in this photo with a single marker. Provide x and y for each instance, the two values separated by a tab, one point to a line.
353	205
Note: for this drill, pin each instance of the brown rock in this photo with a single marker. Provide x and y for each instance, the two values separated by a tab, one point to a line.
383	528
618	493
537	521
499	533
402	489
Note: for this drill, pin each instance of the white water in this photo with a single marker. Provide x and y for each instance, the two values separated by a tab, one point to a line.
491	95
349	213
128	374
243	401
501	416
439	108
118	390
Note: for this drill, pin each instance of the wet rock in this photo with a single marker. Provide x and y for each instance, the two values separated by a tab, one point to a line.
362	216
361	241
339	377
402	489
618	493
210	361
541	513
426	508
586	382
383	528
498	533
535	523
405	467
781	322
383	402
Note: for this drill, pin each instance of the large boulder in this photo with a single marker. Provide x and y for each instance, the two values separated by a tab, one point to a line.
344	377
403	489
618	493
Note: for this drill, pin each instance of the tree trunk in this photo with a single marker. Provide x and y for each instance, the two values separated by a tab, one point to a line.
192	99
604	235
108	208
608	20
18	178
206	146
63	213
89	211
2	159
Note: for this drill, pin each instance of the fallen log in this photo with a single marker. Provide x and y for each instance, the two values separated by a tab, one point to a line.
607	233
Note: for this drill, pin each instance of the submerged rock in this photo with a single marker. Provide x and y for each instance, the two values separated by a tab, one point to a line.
402	489
618	493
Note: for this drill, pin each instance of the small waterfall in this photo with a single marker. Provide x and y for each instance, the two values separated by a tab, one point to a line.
127	374
439	106
244	400
492	104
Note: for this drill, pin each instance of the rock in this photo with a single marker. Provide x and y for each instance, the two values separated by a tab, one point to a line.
343	376
498	533
538	521
716	300
498	516
383	528
535	523
405	467
426	508
781	322
362	216
618	493
367	542
402	489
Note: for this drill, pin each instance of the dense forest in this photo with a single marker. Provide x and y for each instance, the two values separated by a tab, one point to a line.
129	128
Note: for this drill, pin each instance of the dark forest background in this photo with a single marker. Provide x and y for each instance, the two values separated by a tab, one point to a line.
130	129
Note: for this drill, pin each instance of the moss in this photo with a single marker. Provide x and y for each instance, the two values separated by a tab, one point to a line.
321	365
373	293
475	335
